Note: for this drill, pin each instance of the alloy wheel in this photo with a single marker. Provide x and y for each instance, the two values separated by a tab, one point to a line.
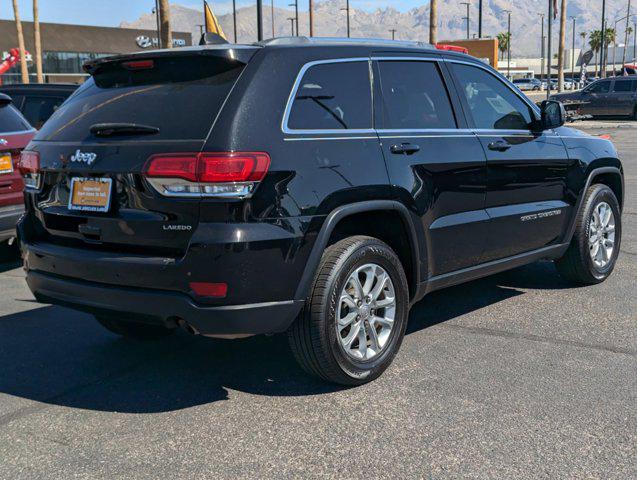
366	312
601	235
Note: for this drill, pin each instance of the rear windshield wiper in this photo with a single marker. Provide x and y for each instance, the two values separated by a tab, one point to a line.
112	129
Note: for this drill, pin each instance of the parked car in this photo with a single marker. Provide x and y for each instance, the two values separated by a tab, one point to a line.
36	101
527	83
311	186
15	134
610	97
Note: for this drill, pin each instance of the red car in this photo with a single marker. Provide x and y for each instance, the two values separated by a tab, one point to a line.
15	133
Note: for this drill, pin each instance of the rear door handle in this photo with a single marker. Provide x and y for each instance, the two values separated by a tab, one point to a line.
405	149
499	146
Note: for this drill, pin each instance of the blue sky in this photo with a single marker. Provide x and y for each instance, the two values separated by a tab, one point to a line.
111	12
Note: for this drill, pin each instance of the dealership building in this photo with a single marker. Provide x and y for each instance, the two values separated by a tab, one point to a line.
66	47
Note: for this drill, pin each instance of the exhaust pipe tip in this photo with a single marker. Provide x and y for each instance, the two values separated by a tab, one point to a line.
184	325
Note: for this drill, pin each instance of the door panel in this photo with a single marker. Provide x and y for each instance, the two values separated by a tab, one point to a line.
526	171
435	168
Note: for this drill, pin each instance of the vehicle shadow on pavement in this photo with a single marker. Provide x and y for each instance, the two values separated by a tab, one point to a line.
62	357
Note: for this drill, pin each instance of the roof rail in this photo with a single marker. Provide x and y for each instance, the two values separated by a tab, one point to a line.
338	40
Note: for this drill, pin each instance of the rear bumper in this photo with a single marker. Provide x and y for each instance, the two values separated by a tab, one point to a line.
162	307
9	217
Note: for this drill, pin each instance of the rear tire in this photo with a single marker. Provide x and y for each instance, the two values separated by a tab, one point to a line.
589	259
134	330
355	318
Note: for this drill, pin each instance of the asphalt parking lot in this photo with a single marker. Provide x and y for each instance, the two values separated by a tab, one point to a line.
514	376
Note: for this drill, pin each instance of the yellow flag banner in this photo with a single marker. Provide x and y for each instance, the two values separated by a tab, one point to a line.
212	24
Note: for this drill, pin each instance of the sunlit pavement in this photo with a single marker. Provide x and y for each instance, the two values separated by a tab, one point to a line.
514	376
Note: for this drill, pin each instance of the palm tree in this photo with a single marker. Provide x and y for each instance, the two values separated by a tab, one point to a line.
23	56
37	42
503	42
166	33
595	42
560	48
433	22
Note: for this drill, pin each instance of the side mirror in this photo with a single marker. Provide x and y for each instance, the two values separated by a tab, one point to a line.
553	114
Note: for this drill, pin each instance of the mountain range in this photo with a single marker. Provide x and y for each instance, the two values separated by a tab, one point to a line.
330	20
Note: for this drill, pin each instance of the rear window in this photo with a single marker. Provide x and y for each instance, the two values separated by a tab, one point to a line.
625	86
37	110
414	96
180	96
333	96
11	120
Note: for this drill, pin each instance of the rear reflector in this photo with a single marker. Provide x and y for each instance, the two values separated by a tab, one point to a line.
229	174
29	167
216	290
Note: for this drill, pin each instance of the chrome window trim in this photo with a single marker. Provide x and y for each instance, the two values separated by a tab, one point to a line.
297	83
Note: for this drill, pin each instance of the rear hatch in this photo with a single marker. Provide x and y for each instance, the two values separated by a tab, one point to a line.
94	148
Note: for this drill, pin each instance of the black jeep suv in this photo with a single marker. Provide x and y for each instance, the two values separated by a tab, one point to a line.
314	187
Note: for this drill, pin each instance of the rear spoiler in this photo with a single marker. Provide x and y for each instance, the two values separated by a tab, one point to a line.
241	54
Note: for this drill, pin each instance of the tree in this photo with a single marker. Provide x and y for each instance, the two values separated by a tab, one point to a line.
433	22
37	42
166	33
23	55
560	48
503	42
595	42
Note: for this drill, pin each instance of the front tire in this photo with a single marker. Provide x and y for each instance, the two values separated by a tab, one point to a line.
355	319
133	330
592	254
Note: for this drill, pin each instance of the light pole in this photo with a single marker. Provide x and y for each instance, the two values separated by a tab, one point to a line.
346	9
573	51
311	7
508	12
272	14
480	19
615	41
234	19
393	33
602	57
626	37
260	20
548	50
468	17
542	47
291	19
157	16
634	40
296	15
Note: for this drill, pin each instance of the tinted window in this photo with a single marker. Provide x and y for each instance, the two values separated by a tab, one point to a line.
624	86
600	87
491	103
179	95
333	96
414	96
11	120
37	110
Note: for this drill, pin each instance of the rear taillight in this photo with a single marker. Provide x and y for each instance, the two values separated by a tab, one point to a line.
29	167
233	174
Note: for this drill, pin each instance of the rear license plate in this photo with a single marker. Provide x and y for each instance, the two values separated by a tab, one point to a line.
90	194
6	164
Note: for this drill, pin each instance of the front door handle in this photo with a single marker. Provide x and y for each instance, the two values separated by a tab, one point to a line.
500	146
405	149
